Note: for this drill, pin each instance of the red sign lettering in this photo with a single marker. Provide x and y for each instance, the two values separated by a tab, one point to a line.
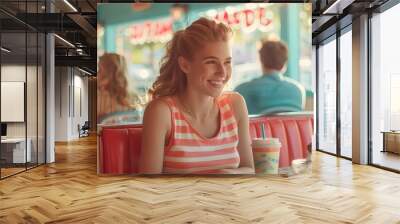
150	31
246	18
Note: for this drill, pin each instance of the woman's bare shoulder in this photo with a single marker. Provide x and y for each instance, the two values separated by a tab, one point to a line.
235	99
158	104
158	107
157	116
237	103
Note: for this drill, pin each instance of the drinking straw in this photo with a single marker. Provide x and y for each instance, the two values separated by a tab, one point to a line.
262	131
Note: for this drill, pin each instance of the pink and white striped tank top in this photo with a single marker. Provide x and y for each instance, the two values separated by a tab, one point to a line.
189	152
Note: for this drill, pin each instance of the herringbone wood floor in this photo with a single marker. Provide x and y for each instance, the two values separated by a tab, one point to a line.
69	191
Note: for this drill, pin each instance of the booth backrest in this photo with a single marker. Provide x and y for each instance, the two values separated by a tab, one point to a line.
119	146
119	149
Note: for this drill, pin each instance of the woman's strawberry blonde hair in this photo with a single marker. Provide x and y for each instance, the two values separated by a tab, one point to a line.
185	43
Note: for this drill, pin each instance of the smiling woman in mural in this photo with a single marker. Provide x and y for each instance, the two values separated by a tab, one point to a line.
115	104
191	126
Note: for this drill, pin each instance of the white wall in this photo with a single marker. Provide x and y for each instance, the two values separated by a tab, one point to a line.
12	73
71	93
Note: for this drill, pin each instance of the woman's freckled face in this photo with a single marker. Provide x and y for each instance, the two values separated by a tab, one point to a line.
210	68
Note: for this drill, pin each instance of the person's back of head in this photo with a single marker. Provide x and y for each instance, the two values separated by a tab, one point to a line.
271	95
273	55
185	43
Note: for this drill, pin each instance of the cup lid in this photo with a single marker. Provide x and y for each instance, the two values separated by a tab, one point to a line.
272	141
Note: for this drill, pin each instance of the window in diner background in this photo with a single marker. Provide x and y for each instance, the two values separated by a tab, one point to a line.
143	54
100	41
305	64
306	77
327	96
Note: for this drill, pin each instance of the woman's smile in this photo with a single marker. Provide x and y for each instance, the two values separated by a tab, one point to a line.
217	83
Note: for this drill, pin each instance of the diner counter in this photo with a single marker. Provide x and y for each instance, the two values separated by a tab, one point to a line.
118	145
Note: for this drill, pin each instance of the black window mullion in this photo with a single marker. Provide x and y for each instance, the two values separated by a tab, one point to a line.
45	94
46	3
338	76
37	90
316	97
26	86
369	96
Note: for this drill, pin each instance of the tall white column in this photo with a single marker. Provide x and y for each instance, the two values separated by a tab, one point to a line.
50	93
360	90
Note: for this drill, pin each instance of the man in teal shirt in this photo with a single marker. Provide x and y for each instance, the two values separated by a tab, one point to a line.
272	92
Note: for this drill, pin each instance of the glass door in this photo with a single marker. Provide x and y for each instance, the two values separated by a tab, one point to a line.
13	108
346	93
22	78
326	133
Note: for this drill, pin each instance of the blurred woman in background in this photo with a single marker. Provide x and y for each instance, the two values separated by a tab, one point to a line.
114	102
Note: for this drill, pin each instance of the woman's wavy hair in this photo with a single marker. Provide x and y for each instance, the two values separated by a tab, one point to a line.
185	43
114	77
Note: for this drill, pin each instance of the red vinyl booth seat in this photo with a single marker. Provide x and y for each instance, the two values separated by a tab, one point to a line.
119	146
119	149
